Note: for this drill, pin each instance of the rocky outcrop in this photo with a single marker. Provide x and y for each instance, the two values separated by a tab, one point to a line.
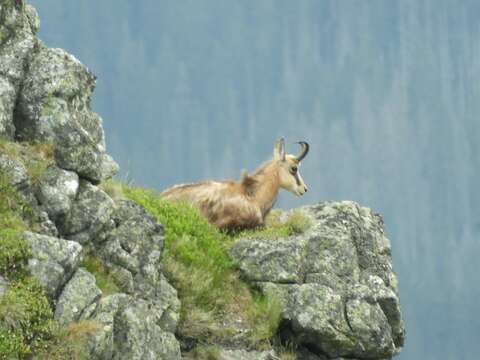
335	282
54	106
45	99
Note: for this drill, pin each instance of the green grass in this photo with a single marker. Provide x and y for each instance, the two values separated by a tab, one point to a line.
196	261
14	250
204	352
105	279
26	319
278	226
27	327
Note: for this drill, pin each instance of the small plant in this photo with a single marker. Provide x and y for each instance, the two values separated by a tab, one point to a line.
266	316
26	319
14	250
113	188
70	342
205	352
278	225
105	279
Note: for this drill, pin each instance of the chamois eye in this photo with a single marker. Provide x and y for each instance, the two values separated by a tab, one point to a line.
294	169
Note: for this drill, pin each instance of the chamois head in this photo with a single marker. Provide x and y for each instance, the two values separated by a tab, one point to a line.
289	175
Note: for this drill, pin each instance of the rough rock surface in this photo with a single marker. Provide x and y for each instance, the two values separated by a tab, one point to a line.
15	171
54	107
56	190
89	216
18	25
79	293
335	282
228	354
140	337
54	260
102	343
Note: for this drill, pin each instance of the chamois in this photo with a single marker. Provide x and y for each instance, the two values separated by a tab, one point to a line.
232	205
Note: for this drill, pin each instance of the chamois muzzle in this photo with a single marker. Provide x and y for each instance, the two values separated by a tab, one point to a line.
305	148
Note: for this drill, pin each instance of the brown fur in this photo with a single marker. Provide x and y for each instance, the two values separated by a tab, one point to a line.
239	204
232	204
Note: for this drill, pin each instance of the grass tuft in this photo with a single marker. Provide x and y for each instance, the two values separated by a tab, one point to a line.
113	188
278	225
105	279
14	250
26	319
205	352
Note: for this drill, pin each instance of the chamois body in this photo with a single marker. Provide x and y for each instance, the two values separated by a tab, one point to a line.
244	203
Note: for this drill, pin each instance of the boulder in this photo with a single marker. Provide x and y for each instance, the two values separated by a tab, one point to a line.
18	24
90	215
53	261
15	170
335	282
138	335
55	192
135	245
54	106
79	294
102	344
132	249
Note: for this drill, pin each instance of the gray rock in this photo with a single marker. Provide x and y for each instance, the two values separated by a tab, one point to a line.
229	354
7	105
132	250
90	215
54	260
335	283
79	294
276	261
102	345
135	244
32	17
54	106
75	152
138	335
17	44
55	191
15	170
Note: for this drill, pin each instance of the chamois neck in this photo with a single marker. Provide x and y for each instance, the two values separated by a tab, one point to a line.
266	184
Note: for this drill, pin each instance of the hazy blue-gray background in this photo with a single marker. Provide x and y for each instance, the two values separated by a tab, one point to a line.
387	93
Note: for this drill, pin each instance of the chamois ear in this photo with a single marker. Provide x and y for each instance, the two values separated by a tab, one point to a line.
279	150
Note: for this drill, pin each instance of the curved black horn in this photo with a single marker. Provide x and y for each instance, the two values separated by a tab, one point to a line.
305	148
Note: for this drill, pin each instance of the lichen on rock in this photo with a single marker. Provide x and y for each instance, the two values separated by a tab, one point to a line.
335	282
